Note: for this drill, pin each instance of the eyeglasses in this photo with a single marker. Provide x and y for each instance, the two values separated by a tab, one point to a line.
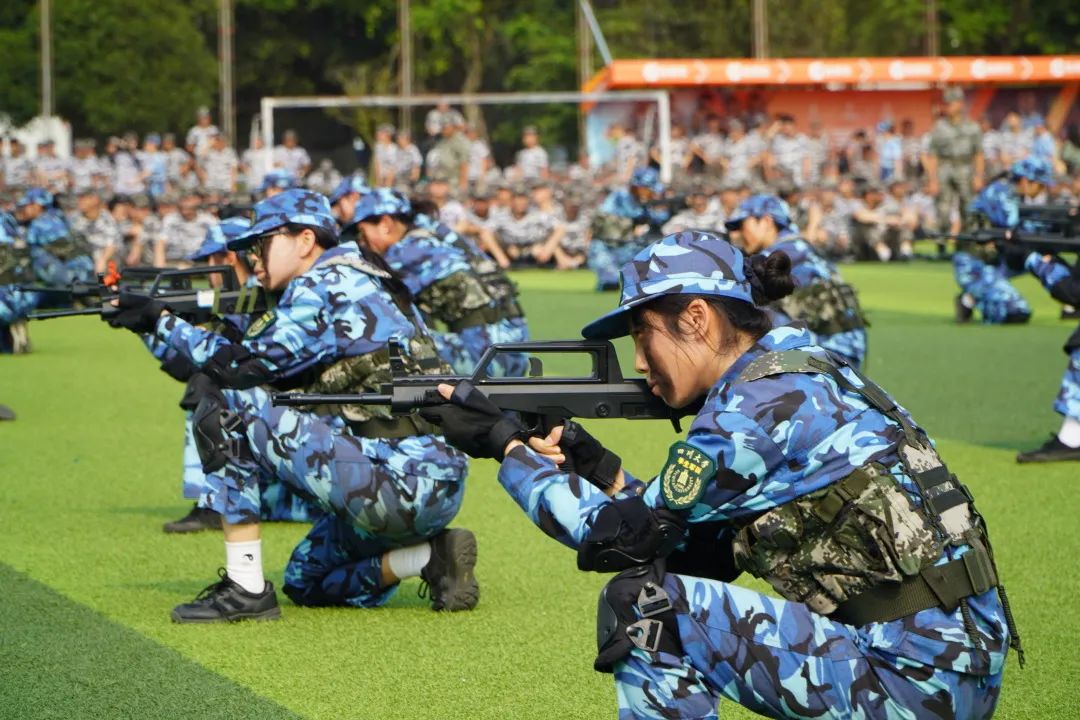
260	245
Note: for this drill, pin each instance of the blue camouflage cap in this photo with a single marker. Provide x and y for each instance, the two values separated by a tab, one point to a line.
685	263
292	207
379	202
35	196
1036	169
278	178
760	206
218	236
647	177
351	184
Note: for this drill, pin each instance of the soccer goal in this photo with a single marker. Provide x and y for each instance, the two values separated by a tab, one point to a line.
659	97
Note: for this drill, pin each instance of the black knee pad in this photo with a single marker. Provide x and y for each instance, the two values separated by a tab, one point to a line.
211	424
634	610
1016	318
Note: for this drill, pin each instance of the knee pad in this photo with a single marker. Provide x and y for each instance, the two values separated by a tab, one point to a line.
634	610
1017	317
212	422
627	533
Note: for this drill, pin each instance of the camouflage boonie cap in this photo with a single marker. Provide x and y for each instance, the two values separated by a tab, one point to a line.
685	263
647	177
381	201
1036	169
278	178
217	237
350	184
35	196
292	207
760	206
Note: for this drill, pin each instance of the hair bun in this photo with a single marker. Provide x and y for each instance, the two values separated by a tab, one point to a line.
770	277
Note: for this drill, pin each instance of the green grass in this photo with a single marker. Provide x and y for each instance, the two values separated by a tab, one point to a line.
90	470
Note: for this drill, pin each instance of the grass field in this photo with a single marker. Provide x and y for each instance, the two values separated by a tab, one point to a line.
90	470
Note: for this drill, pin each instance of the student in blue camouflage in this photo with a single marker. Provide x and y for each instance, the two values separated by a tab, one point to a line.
983	279
58	256
822	299
388	487
624	224
1062	281
798	470
15	304
440	275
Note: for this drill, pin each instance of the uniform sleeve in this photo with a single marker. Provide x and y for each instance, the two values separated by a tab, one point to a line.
743	454
1062	281
298	334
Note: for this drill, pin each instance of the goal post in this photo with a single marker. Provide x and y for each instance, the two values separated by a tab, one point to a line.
660	97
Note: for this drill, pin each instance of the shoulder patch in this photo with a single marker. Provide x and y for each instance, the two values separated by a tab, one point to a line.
683	477
261	323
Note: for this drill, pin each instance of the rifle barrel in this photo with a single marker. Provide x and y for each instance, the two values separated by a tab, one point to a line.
64	313
298	398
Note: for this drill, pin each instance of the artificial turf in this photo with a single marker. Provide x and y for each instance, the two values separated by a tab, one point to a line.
90	470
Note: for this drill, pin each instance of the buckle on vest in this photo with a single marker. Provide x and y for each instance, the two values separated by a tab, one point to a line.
231	422
652	600
645	634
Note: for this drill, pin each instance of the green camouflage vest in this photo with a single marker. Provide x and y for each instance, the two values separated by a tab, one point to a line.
827	308
366	373
72	246
864	531
14	263
612	229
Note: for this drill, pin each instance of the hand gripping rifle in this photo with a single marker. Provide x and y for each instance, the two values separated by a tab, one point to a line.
543	402
176	289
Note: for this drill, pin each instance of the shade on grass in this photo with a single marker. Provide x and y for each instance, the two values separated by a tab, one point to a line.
90	470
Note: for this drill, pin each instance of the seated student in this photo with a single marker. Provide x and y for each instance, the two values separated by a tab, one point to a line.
388	486
524	235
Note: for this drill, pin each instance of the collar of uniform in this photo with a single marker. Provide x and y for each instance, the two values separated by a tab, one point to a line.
345	248
782	337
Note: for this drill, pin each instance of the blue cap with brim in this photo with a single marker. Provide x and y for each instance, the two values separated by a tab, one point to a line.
278	178
35	196
351	184
761	206
292	207
217	237
379	202
1036	169
685	263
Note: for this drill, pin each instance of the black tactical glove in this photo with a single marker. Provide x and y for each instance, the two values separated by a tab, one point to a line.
137	313
587	457
1013	254
473	424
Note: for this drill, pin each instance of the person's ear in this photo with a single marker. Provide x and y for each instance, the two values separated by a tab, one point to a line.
695	318
307	242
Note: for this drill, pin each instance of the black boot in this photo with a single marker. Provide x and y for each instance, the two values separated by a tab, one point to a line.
963	312
197	520
449	575
225	601
1068	312
1052	451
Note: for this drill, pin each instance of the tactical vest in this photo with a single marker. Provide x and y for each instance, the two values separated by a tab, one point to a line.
14	263
461	300
366	373
71	246
827	307
861	550
494	279
612	229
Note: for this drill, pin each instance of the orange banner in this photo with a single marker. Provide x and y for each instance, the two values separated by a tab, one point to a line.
843	71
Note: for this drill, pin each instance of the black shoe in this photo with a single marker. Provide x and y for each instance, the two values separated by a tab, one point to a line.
197	520
1069	312
963	312
608	286
1052	451
6	413
449	576
225	601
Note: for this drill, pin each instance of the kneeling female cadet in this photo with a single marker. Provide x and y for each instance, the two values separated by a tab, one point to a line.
797	469
389	487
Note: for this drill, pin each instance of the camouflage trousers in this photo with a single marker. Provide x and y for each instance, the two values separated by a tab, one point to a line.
378	494
463	350
954	192
781	660
50	270
995	297
1068	399
277	501
15	304
849	344
607	258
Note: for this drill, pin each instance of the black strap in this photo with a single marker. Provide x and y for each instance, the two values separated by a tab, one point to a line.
941	586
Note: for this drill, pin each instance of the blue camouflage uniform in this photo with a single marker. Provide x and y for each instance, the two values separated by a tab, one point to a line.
279	179
766	439
1063	283
57	255
613	243
440	271
15	304
328	333
277	501
834	313
988	284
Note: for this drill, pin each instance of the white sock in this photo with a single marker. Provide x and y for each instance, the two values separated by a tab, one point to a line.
243	562
1070	432
883	252
407	562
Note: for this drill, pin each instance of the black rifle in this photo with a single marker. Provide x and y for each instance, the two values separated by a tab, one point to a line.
1045	242
543	402
175	288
